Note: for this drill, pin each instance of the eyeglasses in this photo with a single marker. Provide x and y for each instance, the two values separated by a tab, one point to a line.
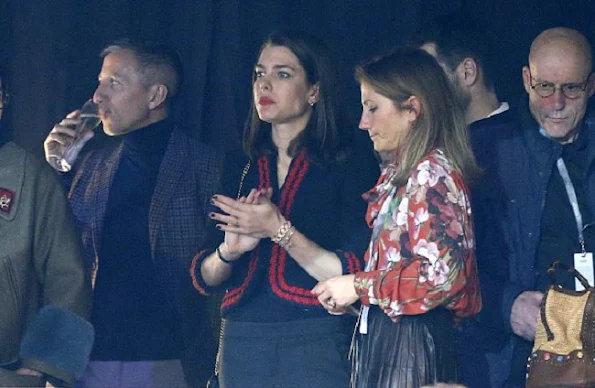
545	89
4	97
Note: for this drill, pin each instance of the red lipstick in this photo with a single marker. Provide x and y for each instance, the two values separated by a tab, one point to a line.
266	101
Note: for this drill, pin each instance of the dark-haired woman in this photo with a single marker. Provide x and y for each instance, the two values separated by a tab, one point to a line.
420	273
292	214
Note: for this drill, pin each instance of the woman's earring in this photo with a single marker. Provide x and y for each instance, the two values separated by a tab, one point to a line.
311	103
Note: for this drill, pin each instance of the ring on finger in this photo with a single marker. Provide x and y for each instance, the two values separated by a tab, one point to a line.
331	302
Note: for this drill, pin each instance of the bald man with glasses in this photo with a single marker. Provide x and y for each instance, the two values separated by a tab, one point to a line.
571	90
535	168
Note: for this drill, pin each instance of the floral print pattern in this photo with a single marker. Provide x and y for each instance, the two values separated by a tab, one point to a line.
422	252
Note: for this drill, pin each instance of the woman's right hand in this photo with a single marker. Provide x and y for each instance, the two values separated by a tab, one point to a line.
337	293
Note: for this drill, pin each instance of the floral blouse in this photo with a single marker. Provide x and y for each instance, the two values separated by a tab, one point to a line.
422	251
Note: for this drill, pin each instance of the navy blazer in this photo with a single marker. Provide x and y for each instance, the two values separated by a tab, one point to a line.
187	178
507	205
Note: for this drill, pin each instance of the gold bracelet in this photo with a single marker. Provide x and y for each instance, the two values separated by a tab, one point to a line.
285	242
282	232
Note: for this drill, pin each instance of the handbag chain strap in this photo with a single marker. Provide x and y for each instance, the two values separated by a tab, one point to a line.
222	326
244	173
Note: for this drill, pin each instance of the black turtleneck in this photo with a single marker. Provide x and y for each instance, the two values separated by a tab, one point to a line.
133	318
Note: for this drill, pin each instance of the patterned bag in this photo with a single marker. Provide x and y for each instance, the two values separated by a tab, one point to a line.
564	350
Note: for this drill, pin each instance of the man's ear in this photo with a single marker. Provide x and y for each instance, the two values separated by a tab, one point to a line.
468	71
527	79
158	94
590	85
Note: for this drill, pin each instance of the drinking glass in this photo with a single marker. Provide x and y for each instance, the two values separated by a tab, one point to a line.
89	121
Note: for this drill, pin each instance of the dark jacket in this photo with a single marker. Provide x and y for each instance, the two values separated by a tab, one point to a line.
187	177
508	205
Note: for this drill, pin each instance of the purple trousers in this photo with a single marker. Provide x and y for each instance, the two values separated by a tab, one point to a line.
129	374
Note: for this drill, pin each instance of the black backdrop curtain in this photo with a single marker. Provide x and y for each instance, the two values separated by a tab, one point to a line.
50	47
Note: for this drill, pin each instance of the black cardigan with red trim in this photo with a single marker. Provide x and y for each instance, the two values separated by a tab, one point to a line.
323	203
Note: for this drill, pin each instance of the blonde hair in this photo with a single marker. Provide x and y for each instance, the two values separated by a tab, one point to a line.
407	72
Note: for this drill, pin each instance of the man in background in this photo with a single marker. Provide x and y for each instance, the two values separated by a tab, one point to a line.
142	205
534	168
464	50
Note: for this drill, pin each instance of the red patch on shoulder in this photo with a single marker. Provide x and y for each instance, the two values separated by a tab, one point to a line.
6	200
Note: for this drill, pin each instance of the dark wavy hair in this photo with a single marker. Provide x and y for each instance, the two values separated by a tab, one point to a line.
410	71
325	136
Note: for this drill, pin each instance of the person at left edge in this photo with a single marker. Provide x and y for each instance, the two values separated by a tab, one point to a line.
141	205
41	258
299	219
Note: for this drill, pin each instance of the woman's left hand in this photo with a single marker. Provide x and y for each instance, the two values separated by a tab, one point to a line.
261	219
335	294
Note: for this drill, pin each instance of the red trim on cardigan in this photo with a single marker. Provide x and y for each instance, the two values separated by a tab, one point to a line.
279	255
234	295
193	273
281	288
264	172
293	182
353	263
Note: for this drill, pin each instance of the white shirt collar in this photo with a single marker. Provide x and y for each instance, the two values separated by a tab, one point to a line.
502	108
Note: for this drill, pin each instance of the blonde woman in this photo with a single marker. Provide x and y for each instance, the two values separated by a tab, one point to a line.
420	273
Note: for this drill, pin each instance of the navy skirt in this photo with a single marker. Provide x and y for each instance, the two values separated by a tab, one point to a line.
304	353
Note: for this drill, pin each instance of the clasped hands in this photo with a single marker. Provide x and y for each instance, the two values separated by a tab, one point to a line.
246	220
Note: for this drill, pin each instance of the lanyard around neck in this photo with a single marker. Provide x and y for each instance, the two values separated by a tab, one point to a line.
573	200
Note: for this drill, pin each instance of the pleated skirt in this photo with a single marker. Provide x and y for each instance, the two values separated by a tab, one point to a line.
416	351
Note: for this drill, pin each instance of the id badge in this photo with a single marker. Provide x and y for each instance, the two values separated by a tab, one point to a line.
363	323
583	263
